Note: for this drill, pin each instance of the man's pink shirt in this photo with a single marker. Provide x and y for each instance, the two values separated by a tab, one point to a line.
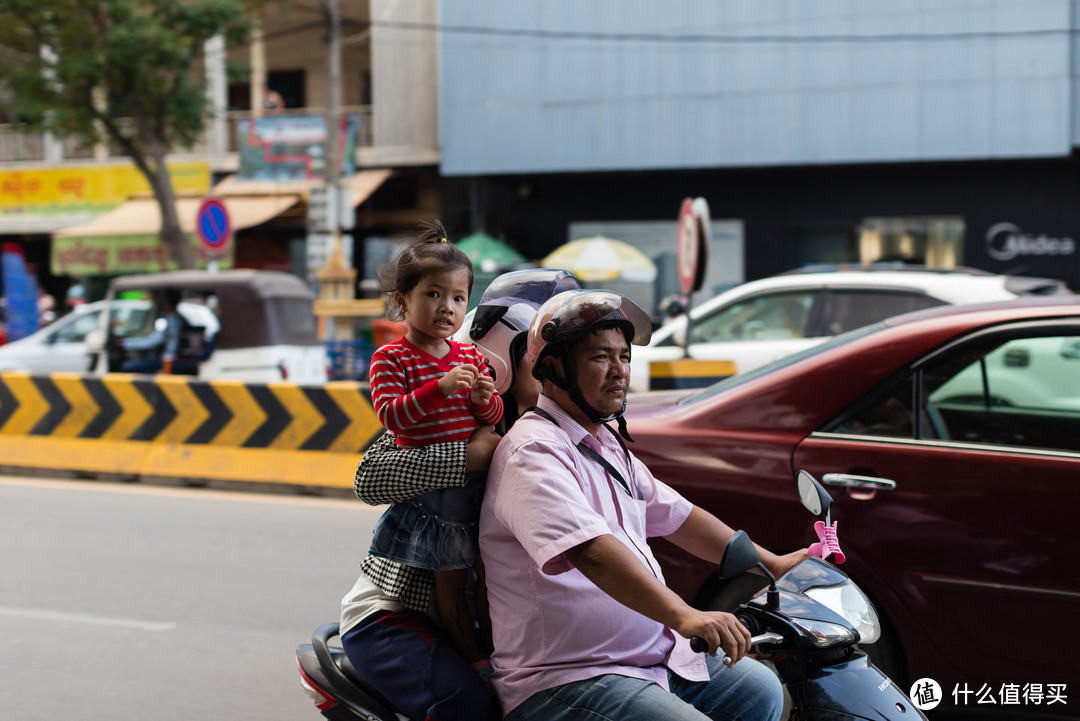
551	624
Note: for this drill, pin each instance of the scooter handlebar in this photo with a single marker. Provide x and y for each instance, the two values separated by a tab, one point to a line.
698	644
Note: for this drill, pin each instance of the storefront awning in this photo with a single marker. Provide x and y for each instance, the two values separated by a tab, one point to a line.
142	216
361	186
125	240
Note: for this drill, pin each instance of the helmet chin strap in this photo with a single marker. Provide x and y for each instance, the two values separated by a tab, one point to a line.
572	389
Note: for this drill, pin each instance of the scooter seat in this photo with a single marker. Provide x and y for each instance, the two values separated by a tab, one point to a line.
357	678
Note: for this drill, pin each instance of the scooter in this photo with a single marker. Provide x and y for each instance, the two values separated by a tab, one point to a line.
339	691
806	623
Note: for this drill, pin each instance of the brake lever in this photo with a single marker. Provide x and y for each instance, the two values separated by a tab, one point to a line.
698	645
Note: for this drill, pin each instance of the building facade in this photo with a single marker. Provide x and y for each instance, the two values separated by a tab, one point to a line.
834	131
82	215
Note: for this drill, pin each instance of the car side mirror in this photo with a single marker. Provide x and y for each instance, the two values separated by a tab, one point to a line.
679	334
95	340
813	495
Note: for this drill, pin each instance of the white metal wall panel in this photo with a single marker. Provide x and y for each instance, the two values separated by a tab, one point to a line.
520	102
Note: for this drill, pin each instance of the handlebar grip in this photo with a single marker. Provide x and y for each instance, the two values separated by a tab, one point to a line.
698	644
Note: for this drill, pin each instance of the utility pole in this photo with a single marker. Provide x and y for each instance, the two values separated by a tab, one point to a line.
336	281
332	167
257	91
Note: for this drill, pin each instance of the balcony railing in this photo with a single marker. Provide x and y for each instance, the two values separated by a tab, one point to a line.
18	145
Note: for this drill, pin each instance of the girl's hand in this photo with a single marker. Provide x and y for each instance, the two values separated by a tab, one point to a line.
458	379
482	391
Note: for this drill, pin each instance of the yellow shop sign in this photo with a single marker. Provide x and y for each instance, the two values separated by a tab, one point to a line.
88	188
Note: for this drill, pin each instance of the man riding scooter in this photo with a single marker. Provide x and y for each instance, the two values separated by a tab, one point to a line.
583	622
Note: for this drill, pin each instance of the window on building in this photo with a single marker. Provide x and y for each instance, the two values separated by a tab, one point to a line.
920	240
290	84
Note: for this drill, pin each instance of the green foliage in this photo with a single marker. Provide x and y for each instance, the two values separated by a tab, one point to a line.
69	63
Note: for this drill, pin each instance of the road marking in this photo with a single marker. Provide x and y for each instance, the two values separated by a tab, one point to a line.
346	504
60	617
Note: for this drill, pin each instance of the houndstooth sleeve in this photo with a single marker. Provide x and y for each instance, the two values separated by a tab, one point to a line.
389	473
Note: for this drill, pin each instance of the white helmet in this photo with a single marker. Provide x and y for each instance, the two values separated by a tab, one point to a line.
501	320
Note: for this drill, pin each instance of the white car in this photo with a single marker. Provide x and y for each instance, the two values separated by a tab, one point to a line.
60	347
757	322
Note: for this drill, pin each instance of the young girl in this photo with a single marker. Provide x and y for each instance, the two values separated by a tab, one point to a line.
429	391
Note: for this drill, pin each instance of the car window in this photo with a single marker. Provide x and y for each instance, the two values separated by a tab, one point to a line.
740	378
849	309
130	319
768	316
76	330
1020	391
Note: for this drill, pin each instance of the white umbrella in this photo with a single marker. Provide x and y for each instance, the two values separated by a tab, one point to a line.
601	259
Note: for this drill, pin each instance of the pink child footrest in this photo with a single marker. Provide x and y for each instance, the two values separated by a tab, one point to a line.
828	544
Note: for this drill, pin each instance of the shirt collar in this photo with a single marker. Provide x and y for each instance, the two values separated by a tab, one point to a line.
572	428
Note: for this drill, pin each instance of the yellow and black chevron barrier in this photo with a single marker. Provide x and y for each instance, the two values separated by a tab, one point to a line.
688	373
174	426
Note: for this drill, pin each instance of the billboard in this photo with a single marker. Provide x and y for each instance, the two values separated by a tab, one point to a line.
292	147
120	254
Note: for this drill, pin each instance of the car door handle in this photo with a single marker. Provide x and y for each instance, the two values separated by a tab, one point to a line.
869	483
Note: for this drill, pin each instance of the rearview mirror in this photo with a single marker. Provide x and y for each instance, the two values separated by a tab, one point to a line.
95	340
679	334
813	495
740	556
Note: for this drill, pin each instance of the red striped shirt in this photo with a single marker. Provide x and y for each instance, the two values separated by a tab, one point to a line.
407	398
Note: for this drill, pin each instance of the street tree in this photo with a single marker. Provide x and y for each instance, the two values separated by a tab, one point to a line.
124	72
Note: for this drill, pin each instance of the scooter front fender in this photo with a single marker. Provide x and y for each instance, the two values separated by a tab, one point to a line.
855	689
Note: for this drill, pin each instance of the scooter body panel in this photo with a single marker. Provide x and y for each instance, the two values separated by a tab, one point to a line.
855	689
329	669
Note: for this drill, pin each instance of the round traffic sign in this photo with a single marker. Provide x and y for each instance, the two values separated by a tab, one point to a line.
688	247
213	226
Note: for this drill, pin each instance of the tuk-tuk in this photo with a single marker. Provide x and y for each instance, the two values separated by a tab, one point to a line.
250	325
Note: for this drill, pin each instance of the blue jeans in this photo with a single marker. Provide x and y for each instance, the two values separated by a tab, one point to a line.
749	691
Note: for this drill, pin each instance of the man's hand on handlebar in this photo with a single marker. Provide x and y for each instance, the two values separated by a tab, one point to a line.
721	631
779	565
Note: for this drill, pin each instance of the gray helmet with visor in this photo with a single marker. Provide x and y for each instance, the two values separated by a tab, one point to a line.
565	319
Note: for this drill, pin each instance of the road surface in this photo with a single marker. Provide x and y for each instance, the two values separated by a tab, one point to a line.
123	602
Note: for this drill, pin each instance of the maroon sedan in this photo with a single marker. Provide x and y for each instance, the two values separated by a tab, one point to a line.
950	441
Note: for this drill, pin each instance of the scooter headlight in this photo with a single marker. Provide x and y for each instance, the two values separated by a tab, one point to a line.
826	634
847	600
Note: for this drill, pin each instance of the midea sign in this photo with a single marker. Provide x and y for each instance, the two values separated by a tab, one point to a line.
1005	241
